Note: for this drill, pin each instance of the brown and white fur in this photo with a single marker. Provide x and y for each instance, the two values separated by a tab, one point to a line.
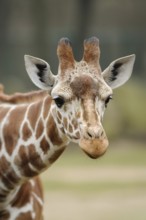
35	128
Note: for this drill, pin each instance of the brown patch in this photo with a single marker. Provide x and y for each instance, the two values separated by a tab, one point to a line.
34	113
44	145
26	132
84	85
65	55
3	197
24	216
23	196
9	178
12	127
35	159
4	215
53	132
77	134
70	128
23	159
28	172
74	123
4	165
40	128
55	155
3	112
47	105
7	183
62	130
12	176
91	51
65	123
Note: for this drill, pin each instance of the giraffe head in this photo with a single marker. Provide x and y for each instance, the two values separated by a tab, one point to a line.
81	91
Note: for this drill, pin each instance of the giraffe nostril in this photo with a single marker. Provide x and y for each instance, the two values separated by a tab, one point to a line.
102	133
94	132
89	134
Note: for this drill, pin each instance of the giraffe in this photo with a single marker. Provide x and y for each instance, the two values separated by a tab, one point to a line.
36	127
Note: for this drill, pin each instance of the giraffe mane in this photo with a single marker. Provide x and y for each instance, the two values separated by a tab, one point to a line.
19	98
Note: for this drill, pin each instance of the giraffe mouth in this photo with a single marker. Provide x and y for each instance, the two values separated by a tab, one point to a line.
94	148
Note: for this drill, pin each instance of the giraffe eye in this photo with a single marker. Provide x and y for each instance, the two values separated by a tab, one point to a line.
107	100
59	101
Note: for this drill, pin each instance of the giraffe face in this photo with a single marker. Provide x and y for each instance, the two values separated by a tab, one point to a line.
79	105
80	92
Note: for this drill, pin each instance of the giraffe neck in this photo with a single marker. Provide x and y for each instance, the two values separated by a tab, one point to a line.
30	142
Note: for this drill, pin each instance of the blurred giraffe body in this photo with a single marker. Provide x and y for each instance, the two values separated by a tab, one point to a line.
36	127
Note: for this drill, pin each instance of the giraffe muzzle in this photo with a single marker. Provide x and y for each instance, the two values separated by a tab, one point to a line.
94	148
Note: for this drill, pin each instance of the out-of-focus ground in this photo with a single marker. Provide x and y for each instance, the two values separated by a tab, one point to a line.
110	188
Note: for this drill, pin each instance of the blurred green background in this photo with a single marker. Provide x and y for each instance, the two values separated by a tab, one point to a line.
118	180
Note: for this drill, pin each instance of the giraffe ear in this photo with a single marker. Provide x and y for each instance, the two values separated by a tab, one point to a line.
119	71
39	72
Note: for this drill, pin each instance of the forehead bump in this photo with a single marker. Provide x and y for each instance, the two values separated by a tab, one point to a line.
91	51
65	54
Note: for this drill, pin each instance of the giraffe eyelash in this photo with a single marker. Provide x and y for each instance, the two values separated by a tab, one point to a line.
107	100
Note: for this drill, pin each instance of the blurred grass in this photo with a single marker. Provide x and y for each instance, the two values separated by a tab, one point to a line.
125	114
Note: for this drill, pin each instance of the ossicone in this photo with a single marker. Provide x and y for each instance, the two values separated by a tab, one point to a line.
91	51
65	54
